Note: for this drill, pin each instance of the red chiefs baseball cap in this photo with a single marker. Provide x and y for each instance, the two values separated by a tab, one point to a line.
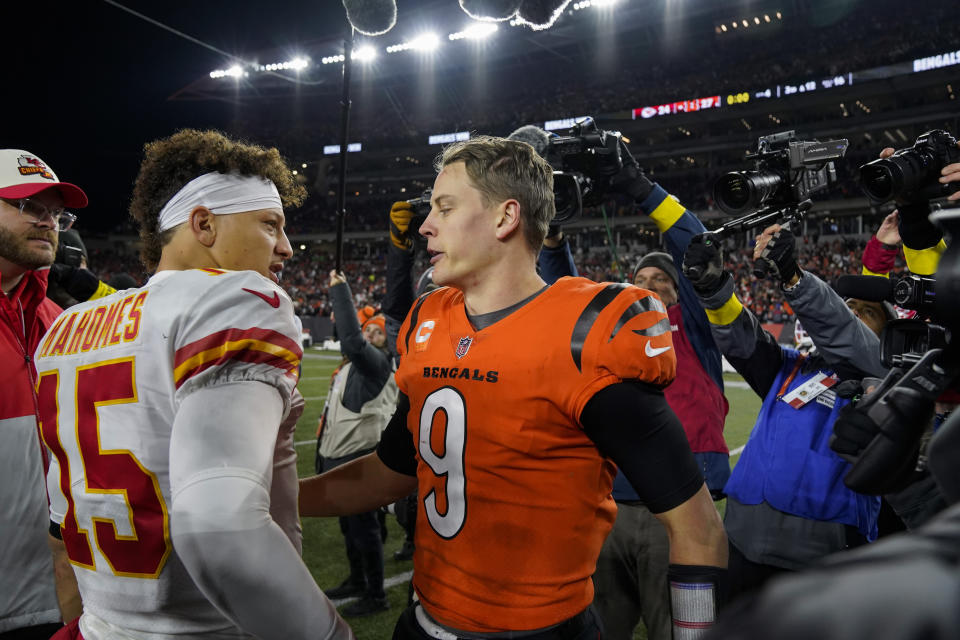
23	174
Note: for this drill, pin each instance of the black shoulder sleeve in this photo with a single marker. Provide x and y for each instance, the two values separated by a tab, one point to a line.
632	424
396	448
55	530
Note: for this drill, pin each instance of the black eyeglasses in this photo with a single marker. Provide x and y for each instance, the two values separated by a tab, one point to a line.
36	212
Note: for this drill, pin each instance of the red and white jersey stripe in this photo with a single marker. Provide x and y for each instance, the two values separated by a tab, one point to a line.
112	374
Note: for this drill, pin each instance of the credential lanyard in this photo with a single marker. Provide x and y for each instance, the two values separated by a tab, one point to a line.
793	374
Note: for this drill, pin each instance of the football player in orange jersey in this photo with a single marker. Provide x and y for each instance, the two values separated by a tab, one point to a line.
516	401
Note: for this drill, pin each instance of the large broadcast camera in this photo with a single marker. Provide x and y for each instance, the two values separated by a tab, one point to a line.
912	173
786	173
904	341
925	361
585	162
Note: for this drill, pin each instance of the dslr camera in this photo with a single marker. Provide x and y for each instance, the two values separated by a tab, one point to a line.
912	174
786	172
421	209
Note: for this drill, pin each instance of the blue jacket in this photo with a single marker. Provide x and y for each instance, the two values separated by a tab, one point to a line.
789	452
787	462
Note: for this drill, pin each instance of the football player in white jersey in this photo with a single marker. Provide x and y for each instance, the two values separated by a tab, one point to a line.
171	476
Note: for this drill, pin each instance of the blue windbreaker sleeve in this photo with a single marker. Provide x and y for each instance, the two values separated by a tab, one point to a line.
556	262
678	225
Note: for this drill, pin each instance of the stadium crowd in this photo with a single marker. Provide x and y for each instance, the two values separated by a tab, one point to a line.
164	391
302	275
584	92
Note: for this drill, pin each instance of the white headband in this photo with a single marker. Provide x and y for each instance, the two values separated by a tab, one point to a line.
221	194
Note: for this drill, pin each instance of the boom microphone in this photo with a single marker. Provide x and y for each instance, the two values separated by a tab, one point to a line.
494	10
371	17
541	14
869	288
534	136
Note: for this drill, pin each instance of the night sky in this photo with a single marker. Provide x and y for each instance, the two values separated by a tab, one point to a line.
87	83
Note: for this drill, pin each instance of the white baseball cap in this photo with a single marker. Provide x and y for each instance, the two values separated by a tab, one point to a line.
22	174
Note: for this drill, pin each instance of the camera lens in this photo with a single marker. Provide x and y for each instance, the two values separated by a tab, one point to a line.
908	173
881	180
742	190
567	197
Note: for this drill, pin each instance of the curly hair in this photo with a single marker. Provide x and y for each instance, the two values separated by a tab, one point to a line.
502	169
171	163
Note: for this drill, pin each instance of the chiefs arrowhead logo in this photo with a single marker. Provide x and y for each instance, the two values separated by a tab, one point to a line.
273	302
29	165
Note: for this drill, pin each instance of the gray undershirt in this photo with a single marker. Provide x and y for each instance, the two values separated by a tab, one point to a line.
483	320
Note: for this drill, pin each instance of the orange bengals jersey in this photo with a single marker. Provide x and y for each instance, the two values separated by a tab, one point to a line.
514	497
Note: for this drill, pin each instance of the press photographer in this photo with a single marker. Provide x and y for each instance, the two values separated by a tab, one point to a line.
883	435
787	506
905	586
912	177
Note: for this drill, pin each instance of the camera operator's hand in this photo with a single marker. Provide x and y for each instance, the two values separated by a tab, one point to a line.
554	236
703	264
401	213
631	180
852	432
80	284
336	278
951	173
889	231
777	248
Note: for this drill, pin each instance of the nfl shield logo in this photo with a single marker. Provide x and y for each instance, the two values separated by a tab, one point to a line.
463	346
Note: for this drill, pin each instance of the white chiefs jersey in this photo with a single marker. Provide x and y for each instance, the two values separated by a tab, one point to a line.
111	376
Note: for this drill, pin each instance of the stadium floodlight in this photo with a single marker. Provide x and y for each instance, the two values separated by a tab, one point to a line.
365	53
476	31
425	42
723	28
235	71
332	59
756	20
298	63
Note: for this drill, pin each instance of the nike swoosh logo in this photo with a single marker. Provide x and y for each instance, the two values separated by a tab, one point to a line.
653	352
275	300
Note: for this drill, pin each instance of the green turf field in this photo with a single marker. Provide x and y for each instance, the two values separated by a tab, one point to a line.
323	549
